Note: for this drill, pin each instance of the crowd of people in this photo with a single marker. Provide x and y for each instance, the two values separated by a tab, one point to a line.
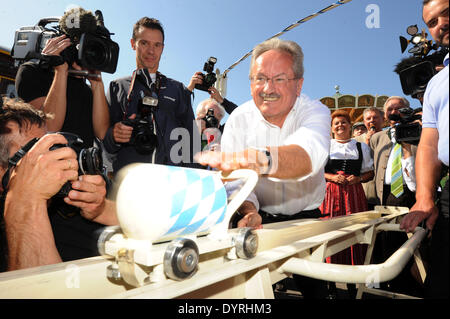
312	163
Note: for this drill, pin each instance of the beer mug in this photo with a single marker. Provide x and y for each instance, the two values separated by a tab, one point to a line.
158	203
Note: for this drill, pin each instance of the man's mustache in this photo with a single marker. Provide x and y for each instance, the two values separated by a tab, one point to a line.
269	96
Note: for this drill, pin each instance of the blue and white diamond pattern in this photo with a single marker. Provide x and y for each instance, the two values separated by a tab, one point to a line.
199	201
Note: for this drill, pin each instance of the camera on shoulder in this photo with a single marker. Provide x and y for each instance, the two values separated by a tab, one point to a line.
92	47
417	70
408	129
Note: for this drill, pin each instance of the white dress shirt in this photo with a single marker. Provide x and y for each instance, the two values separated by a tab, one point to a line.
344	151
308	126
408	168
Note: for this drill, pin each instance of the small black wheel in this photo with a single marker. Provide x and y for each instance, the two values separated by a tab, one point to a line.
246	243
181	259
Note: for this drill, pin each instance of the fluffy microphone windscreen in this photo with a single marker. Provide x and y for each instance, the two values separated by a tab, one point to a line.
77	21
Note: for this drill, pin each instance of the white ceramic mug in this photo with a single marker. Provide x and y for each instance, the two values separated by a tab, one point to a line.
158	202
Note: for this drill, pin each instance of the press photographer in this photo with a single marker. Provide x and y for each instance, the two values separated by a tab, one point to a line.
54	80
209	114
37	171
152	120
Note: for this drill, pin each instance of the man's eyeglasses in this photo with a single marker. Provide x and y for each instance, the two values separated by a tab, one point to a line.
280	80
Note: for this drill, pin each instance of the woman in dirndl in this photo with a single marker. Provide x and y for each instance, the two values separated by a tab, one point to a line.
350	163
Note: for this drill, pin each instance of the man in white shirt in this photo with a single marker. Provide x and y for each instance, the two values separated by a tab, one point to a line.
281	134
285	137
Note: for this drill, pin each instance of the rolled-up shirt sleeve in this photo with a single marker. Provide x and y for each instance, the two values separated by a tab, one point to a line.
314	137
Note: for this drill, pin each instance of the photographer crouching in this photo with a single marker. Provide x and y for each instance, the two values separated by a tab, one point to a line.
36	170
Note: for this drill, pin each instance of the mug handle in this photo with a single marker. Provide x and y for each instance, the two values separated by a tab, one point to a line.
251	178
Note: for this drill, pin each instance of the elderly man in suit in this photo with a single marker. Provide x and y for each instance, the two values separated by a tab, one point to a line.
395	186
385	148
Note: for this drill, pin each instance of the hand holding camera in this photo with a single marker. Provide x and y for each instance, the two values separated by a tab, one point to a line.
122	131
210	77
204	81
89	194
53	49
88	44
143	134
196	79
42	172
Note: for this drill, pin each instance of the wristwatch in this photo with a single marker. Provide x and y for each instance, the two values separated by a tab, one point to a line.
266	152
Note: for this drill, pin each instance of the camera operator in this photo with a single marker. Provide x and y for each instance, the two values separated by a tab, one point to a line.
147	108
394	185
383	144
209	115
79	108
37	232
432	159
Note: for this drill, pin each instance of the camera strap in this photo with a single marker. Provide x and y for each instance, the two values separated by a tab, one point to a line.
12	162
150	88
47	61
130	90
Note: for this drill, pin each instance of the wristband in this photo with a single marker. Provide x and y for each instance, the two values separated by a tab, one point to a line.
52	60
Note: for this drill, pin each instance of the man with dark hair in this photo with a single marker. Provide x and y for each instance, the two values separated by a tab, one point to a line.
47	85
152	120
34	231
432	159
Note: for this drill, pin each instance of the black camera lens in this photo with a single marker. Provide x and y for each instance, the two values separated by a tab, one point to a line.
90	161
210	119
96	53
145	141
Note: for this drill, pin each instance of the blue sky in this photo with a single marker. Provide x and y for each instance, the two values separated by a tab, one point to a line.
338	46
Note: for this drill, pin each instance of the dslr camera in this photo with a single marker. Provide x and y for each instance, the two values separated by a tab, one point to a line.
407	130
93	49
90	161
210	77
143	137
210	119
418	69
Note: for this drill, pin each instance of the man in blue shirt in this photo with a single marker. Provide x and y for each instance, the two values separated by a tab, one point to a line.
152	120
432	157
